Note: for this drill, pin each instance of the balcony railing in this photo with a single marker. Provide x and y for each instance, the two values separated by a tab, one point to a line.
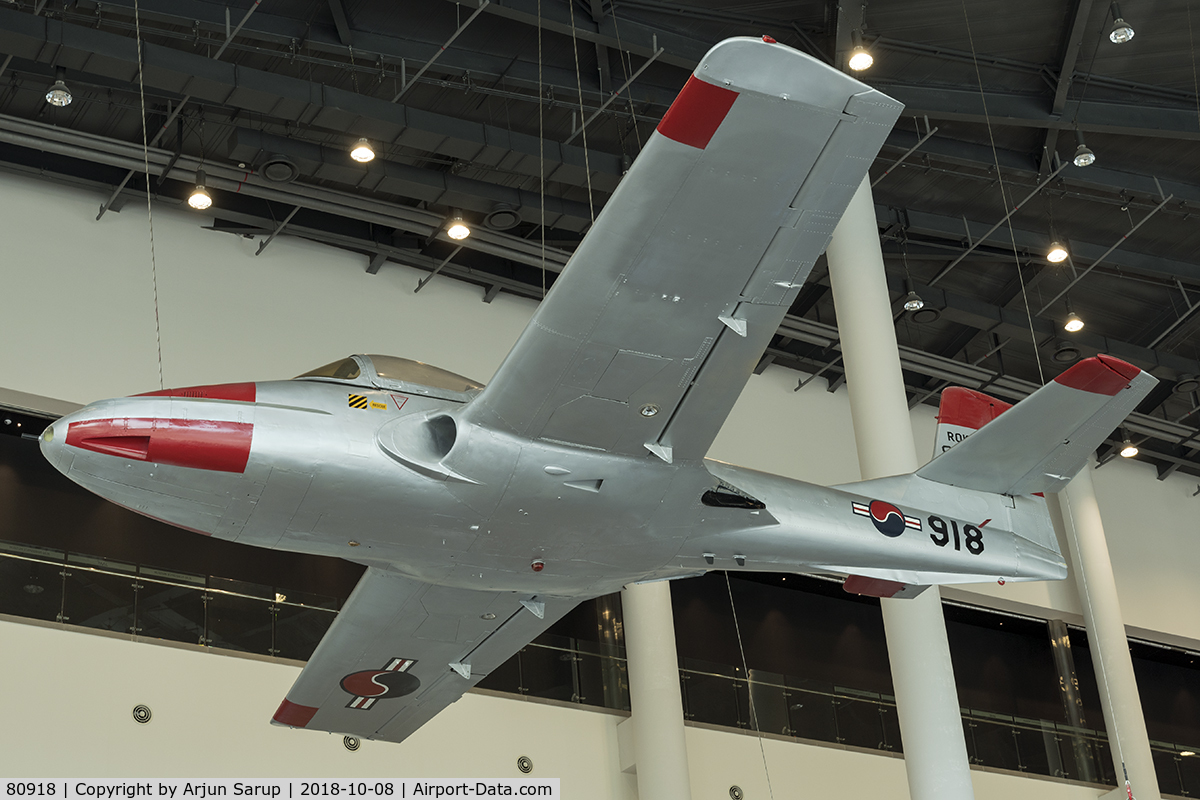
52	585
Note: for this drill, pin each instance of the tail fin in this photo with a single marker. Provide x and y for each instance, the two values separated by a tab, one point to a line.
1042	442
961	413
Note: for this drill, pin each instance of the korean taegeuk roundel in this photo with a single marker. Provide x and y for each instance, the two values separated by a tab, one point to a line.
887	518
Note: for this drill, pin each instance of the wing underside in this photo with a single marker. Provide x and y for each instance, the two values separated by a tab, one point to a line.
401	650
652	330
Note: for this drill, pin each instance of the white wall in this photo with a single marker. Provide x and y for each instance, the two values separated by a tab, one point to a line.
78	324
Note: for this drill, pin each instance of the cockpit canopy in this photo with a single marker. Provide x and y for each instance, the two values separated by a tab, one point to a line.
399	374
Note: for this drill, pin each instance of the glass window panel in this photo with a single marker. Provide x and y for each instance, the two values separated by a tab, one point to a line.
170	576
506	677
615	679
770	698
233	622
890	722
1104	763
858	722
1038	751
166	611
296	597
709	695
345	369
1189	773
589	679
40	553
994	744
30	589
1077	749
409	371
548	672
98	599
1166	767
298	630
810	715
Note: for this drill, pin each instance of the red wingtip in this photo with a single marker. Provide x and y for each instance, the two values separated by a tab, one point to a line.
697	113
293	714
969	408
1099	375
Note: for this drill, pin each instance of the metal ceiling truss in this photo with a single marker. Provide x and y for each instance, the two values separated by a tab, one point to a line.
954	307
499	261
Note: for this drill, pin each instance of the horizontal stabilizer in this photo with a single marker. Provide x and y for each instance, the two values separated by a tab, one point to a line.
1042	442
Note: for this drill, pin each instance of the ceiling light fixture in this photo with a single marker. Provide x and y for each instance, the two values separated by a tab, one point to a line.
1073	322
1084	157
456	228
912	301
1128	448
58	94
200	199
1057	252
362	152
1121	31
860	57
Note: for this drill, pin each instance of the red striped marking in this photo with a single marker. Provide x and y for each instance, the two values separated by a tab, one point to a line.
1099	375
969	408
294	714
242	392
196	443
697	113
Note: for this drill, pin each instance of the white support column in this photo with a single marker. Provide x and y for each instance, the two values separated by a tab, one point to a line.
935	753
654	697
1092	569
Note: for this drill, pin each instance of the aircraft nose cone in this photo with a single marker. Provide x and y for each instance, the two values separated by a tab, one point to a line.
52	443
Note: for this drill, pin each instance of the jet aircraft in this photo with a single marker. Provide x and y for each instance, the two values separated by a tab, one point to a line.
485	513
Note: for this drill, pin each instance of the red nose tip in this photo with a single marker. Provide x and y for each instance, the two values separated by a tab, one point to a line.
538	565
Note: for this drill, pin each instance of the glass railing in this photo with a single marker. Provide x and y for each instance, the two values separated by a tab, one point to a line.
571	670
91	592
52	585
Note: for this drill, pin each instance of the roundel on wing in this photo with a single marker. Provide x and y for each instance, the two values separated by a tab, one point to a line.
380	683
887	518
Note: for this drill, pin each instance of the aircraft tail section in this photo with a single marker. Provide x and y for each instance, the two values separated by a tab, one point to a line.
1042	442
992	463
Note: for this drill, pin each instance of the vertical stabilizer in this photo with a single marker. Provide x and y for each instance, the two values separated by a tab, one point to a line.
961	413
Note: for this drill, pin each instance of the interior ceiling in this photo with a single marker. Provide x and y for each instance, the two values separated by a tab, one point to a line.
267	96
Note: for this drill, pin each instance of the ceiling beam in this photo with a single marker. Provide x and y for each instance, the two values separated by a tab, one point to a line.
633	37
952	228
1096	177
178	73
1030	111
1066	73
345	36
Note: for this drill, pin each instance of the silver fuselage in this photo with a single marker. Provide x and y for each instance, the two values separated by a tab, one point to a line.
401	483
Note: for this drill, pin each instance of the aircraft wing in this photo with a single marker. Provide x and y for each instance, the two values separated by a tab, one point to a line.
401	650
658	320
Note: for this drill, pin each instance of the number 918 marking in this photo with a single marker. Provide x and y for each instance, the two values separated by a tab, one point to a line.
971	535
